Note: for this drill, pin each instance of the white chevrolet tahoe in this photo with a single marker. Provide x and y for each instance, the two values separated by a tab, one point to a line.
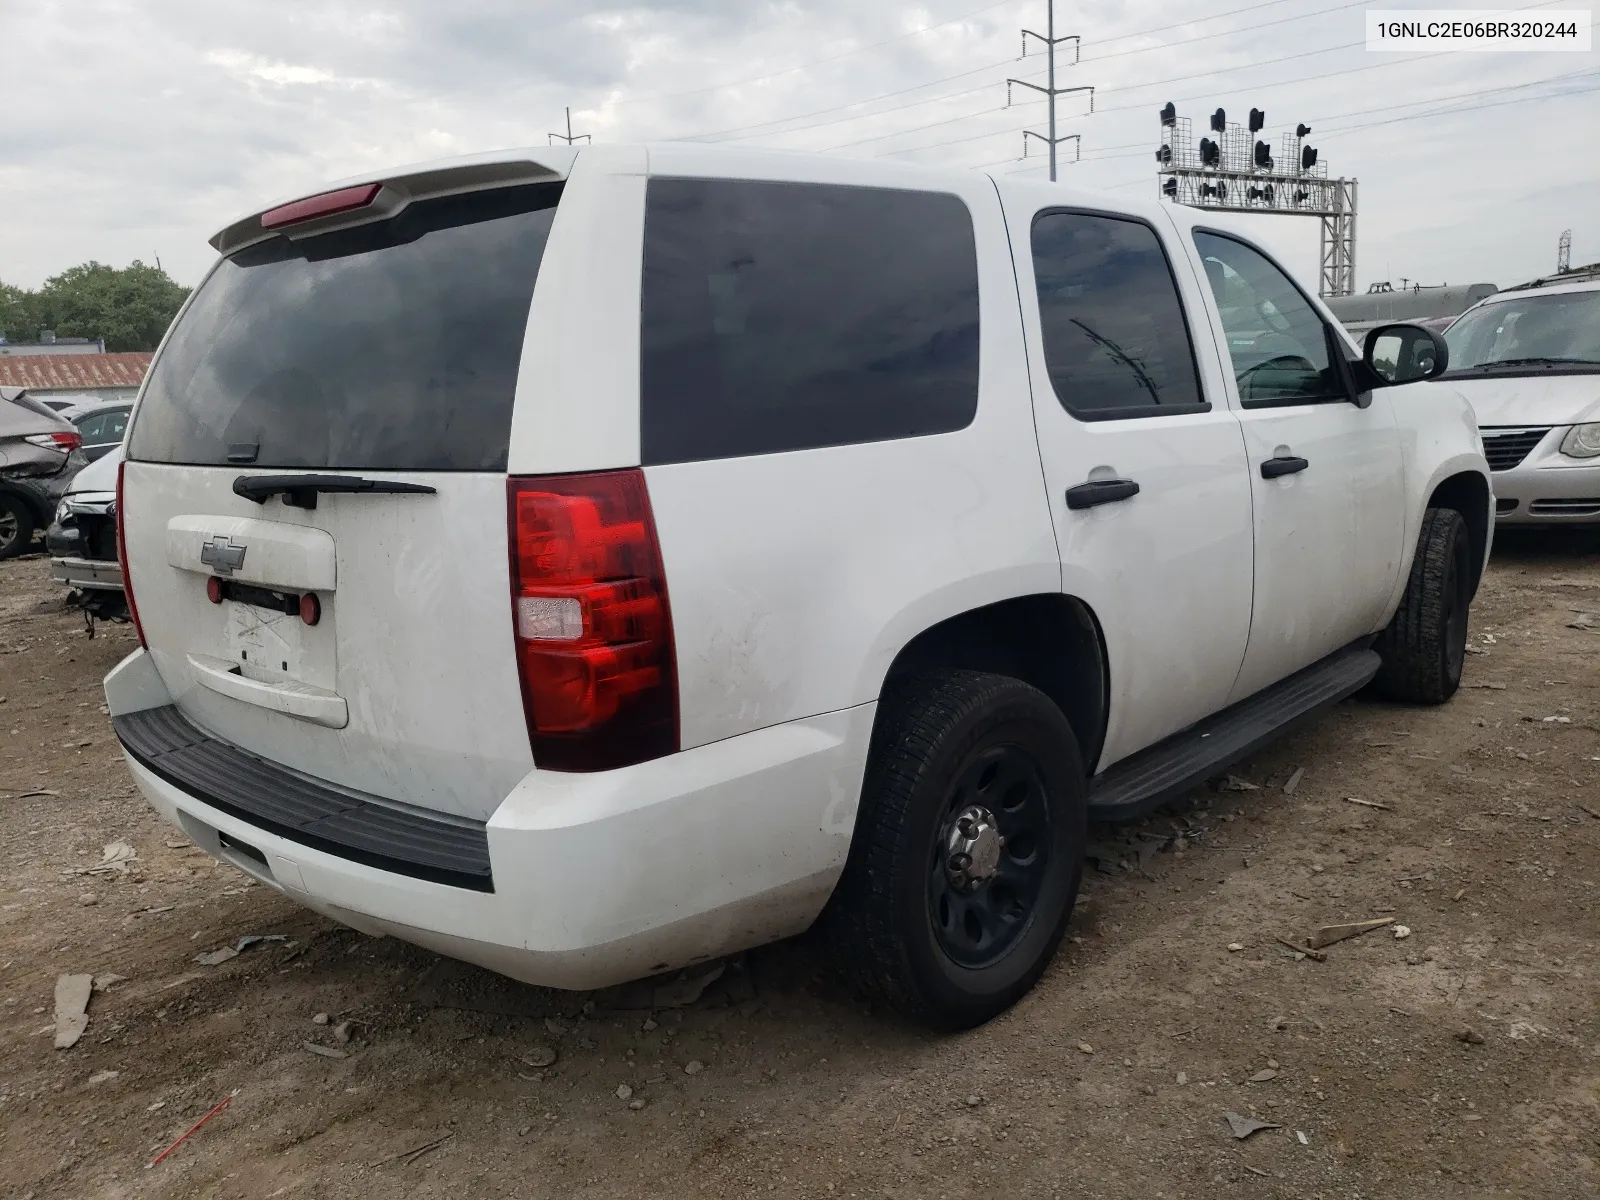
587	563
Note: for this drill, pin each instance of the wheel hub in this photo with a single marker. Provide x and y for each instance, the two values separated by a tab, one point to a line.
972	848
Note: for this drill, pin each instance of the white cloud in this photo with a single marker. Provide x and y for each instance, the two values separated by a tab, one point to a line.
136	130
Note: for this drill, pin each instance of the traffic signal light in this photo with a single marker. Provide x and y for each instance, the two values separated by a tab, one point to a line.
1301	130
1170	186
1257	120
1219	121
1264	156
1210	153
1164	155
1169	114
1308	157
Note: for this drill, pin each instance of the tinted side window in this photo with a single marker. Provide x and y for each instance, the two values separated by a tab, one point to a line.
1278	343
1115	340
784	316
392	345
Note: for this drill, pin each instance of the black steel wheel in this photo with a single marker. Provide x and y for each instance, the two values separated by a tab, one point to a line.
967	851
16	527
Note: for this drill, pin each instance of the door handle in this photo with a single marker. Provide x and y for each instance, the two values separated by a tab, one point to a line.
1282	465
1100	491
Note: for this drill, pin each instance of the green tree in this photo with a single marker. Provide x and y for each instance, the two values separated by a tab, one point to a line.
17	314
130	308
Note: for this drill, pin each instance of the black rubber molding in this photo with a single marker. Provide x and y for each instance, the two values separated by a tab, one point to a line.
335	820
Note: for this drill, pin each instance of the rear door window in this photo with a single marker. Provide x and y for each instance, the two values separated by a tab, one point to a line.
387	346
784	316
1115	340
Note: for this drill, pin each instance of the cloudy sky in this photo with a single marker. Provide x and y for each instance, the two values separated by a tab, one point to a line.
136	128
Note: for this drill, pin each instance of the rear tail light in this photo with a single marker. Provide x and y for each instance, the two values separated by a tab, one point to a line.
593	628
68	441
326	205
122	553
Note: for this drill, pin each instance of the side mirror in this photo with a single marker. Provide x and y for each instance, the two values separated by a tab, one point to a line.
1396	354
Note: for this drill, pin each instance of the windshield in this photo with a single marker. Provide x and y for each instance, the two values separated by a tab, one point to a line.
1532	331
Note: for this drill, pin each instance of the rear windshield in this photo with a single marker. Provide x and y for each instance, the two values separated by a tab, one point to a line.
389	346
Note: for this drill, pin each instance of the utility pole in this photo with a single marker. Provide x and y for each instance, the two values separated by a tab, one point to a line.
1051	41
569	137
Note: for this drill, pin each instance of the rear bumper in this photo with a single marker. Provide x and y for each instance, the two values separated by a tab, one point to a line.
87	573
597	878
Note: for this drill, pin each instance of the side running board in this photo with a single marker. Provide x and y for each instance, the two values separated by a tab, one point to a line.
1142	783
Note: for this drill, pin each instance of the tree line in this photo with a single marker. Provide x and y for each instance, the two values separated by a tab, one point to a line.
129	307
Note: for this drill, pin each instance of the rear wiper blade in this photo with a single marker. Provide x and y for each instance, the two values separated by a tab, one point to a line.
301	491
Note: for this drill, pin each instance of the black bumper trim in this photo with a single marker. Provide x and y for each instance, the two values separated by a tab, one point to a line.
335	820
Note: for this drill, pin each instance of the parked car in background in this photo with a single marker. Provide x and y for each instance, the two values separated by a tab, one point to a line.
39	454
588	563
102	427
82	540
1528	361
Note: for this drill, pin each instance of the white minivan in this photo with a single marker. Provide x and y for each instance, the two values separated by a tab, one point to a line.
587	563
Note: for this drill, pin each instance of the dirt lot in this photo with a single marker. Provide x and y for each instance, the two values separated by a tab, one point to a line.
1460	1061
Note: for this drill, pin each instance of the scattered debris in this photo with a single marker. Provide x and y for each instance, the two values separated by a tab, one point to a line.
1277	1024
554	1026
1303	951
1470	1036
343	1031
686	989
693	1067
88	899
108	980
1085	1048
1460	892
1294	781
1257	1171
1582	621
103	1077
637	1103
212	958
72	1005
1183	1078
1368	803
1263	1075
649	1025
325	1051
1234	784
410	1156
320	1019
1493	687
1557	720
1300	1136
624	1092
36	792
1235	947
227	1100
539	1057
115	858
1329	934
1401	931
1242	1126
1595	813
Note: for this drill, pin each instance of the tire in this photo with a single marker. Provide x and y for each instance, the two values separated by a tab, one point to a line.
16	526
1425	645
901	926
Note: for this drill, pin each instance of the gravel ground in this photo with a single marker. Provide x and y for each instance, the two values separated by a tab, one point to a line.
1462	1060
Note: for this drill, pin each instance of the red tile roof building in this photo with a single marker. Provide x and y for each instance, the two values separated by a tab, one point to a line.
75	372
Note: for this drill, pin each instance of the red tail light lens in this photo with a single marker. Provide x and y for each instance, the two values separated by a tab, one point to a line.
122	554
66	440
326	205
592	624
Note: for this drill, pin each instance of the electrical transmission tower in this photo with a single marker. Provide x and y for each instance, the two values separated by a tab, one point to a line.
1564	252
569	137
1051	41
1236	173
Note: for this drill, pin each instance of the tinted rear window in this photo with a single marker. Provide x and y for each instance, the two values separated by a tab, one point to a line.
783	316
389	346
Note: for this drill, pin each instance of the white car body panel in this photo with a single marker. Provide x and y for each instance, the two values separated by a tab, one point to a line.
794	580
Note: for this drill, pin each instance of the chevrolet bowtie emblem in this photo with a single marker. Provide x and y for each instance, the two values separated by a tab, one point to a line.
222	556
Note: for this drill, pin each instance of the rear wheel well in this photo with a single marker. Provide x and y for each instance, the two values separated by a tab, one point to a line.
1468	494
1051	642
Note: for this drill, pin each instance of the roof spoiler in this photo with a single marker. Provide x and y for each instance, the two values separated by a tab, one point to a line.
399	188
